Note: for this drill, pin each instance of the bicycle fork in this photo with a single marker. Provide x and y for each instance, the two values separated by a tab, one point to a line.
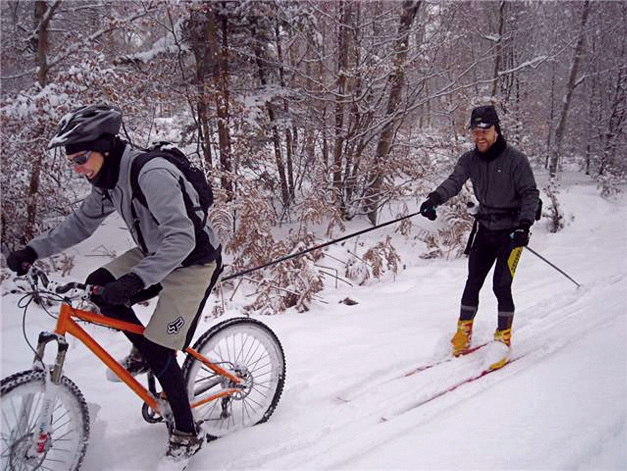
41	442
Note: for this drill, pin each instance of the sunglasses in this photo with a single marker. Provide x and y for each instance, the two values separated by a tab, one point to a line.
81	159
477	131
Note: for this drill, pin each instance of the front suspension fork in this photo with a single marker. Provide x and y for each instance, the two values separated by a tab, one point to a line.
43	427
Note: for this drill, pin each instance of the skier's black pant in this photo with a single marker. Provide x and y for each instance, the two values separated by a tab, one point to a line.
489	247
160	359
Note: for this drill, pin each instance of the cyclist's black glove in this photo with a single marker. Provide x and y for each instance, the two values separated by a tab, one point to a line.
121	291
427	209
520	237
20	260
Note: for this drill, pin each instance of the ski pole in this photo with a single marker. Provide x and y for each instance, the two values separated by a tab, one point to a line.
546	261
303	252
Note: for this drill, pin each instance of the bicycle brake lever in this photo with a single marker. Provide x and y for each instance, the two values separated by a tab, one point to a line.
44	279
32	274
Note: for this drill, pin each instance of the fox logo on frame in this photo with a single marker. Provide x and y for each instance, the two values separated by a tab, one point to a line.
175	326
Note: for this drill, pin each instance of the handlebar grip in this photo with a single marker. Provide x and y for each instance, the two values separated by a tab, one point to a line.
67	287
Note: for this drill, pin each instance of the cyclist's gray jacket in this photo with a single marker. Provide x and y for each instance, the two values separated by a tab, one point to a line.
504	186
167	230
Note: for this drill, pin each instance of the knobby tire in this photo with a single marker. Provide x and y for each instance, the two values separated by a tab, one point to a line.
240	345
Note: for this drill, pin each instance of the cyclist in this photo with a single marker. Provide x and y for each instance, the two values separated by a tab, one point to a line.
506	188
178	263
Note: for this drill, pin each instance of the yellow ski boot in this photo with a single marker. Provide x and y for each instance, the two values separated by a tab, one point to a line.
461	339
498	352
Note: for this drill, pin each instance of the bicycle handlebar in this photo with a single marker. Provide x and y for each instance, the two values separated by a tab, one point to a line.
36	275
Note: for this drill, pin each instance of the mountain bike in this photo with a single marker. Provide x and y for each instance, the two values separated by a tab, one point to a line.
234	375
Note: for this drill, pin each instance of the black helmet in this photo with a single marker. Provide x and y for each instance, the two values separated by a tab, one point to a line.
87	124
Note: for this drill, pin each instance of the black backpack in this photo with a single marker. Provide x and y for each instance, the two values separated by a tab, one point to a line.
203	252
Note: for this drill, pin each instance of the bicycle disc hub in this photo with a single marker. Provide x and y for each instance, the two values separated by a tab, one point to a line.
26	453
245	386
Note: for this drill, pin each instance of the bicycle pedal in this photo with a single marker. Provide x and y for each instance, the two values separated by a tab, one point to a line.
150	415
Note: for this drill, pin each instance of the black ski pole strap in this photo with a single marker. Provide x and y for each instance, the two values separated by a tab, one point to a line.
549	263
317	247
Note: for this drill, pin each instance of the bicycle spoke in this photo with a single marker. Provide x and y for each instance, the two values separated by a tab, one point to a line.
253	353
62	437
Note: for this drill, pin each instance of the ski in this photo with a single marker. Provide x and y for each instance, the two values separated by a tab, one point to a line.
419	369
444	360
447	390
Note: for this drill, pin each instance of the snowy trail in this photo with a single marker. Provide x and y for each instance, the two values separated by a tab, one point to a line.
361	418
561	405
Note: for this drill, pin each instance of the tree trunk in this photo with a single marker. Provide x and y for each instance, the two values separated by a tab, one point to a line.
41	25
570	88
276	139
290	141
202	55
42	42
33	193
617	119
499	49
551	116
397	79
219	54
342	65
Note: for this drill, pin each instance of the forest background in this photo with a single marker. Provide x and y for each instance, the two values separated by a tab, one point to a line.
306	115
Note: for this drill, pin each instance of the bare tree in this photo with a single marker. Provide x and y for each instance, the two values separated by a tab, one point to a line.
397	81
556	151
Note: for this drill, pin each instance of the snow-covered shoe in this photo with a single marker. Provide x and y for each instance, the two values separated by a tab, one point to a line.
184	445
498	352
133	363
463	336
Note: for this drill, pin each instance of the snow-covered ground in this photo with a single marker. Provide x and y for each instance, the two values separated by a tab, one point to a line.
561	405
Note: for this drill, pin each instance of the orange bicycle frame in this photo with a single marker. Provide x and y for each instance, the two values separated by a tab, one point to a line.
66	324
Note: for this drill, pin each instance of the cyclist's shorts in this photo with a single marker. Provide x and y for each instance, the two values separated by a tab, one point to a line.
183	296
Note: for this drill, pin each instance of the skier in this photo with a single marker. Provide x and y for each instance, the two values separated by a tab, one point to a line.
505	187
179	262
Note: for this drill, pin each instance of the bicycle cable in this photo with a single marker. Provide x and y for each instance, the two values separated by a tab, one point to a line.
24	303
30	297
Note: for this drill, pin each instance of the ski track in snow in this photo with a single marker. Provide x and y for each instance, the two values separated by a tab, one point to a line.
329	447
346	405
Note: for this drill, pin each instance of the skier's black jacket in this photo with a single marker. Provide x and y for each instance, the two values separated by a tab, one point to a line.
503	183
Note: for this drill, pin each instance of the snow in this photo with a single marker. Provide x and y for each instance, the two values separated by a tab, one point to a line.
560	405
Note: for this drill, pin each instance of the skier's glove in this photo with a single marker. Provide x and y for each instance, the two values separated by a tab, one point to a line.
121	291
20	260
427	209
520	236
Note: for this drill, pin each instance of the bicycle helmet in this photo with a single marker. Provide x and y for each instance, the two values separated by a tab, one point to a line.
87	124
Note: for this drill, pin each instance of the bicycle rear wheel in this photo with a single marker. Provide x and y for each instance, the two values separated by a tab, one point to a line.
248	349
22	397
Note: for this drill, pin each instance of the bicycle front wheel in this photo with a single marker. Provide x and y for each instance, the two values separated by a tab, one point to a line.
22	397
248	349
